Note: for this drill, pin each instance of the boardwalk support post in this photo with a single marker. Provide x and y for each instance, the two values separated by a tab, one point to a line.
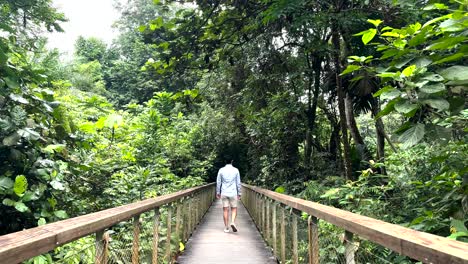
349	247
99	247
268	214
169	233
294	238
283	236
155	236
275	240
312	223
136	240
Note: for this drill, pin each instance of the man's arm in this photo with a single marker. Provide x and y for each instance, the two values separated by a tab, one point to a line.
238	184
218	184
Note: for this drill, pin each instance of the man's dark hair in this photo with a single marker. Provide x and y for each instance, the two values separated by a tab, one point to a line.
228	159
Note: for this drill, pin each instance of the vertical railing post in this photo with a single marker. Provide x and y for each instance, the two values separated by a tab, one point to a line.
155	236
178	220
169	233
100	248
189	217
262	203
136	240
294	239
275	241
197	205
259	209
312	223
283	237
349	247
267	238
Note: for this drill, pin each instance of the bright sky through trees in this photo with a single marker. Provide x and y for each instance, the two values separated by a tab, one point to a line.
89	18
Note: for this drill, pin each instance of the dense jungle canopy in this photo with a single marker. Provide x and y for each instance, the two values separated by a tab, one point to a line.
358	104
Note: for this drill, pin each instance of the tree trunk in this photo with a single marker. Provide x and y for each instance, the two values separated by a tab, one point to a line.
380	131
341	104
354	131
312	107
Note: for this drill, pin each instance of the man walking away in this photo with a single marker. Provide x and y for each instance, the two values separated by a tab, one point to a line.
228	188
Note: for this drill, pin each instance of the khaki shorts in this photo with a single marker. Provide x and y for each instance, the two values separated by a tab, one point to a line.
229	201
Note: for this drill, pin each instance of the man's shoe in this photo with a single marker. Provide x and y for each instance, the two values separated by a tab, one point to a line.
226	230
234	227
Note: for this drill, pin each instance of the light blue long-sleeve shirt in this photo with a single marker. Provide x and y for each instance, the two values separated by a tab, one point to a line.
228	181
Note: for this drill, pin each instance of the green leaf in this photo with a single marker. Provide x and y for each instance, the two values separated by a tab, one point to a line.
405	106
389	107
433	88
376	22
142	28
280	189
446	43
453	57
457	235
20	206
53	148
439	6
11	82
458	225
19	99
350	68
8	202
391	34
409	71
114	121
21	184
437	19
433	77
28	133
41	222
383	90
61	214
412	136
6	183
369	35
400	43
390	93
181	247
440	103
57	185
455	73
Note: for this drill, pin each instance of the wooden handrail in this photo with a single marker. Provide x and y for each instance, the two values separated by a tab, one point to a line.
20	246
421	246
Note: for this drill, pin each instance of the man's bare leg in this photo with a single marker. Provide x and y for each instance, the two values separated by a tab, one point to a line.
233	214
226	216
233	218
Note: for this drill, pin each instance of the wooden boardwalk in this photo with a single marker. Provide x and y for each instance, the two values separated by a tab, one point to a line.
209	244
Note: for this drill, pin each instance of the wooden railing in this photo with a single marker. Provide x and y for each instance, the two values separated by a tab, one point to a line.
270	211
190	206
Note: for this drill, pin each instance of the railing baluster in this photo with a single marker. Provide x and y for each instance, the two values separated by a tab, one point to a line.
312	223
349	247
169	233
136	240
267	220
155	236
275	241
283	237
197	205
189	217
294	238
178	220
99	247
262	203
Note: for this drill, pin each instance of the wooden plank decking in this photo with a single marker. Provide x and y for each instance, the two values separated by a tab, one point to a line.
209	244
